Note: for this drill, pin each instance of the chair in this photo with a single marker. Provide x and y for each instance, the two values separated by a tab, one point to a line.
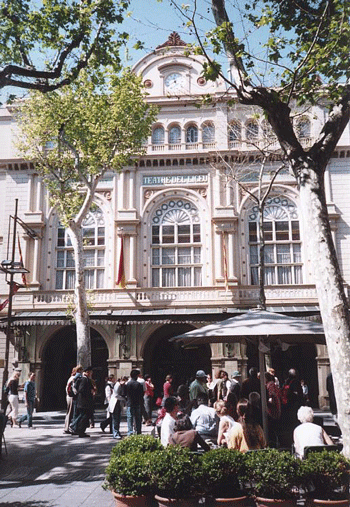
320	448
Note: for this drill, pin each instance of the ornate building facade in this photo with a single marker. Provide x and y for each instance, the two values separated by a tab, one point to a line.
190	227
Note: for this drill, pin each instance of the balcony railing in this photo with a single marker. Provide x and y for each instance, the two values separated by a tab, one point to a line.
236	296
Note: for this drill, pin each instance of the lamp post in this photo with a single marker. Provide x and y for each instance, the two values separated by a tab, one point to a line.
12	268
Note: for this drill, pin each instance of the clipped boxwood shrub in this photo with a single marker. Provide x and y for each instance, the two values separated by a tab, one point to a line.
129	474
224	472
176	473
325	475
136	443
273	474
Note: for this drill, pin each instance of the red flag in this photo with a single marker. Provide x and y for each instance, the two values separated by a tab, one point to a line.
24	278
121	281
225	262
15	286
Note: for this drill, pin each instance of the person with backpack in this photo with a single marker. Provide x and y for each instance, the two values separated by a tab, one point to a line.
291	401
71	397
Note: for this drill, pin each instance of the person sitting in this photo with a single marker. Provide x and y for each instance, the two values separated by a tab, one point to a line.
204	419
226	422
185	436
308	433
248	434
168	422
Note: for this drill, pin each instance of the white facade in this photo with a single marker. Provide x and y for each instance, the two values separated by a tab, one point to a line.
189	240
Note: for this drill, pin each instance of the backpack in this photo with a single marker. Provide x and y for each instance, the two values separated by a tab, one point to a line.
284	394
75	385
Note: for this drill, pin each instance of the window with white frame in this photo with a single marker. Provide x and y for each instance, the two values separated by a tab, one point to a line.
192	135
282	255
94	253
176	245
158	135
304	128
234	131
252	131
175	135
208	133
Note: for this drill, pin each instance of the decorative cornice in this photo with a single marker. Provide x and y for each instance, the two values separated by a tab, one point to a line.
173	40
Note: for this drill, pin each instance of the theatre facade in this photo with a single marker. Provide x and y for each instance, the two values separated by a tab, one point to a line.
187	220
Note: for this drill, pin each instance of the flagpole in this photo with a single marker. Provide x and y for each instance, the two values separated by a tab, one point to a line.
9	314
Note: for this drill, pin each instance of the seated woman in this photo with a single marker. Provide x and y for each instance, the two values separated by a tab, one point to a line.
226	422
185	436
248	434
308	433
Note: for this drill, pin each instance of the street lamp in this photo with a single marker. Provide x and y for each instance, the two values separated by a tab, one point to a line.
12	268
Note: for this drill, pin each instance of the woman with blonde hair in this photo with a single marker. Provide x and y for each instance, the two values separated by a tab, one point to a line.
12	393
226	422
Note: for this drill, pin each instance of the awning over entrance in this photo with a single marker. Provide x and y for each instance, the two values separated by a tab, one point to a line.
161	316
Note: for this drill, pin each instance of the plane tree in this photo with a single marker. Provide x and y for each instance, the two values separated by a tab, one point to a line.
74	136
44	45
302	62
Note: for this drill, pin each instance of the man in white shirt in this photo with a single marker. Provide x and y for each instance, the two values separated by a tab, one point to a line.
204	419
168	423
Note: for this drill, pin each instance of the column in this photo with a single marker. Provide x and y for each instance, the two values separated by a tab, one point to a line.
132	189
132	257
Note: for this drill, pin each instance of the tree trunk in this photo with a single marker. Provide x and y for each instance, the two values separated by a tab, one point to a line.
82	316
332	299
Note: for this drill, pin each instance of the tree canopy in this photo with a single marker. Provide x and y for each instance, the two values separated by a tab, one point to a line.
44	45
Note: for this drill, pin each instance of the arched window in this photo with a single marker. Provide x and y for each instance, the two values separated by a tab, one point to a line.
176	245
283	265
234	132
252	131
174	135
192	135
208	134
158	135
304	128
94	253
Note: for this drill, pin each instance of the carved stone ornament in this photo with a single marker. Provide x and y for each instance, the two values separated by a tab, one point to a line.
173	40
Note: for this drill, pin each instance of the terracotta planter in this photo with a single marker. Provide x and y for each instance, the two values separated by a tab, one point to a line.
130	501
240	501
274	502
315	502
172	502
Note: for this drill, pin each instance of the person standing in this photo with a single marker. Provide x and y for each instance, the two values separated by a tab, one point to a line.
167	388
71	398
331	394
85	402
108	395
116	405
148	399
12	393
250	384
199	385
29	400
134	403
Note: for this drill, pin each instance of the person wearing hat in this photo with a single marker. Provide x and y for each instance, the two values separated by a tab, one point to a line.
199	385
85	402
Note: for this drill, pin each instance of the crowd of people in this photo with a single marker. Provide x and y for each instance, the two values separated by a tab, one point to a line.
204	413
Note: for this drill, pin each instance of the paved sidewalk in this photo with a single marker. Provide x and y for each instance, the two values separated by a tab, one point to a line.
47	468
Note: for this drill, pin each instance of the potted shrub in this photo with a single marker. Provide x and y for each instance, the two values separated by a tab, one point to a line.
274	476
224	472
176	477
136	443
127	476
326	478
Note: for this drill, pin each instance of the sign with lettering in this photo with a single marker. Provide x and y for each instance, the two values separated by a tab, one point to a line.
175	179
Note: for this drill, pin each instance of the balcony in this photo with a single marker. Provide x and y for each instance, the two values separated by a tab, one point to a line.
156	298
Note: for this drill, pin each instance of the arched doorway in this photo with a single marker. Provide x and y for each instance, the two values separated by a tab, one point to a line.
60	356
162	357
302	357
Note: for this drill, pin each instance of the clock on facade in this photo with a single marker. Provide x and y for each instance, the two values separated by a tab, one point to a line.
174	82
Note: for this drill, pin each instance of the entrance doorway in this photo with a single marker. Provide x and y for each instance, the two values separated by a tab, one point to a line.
301	357
60	356
162	357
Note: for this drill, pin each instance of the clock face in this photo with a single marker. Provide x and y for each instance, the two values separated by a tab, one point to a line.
174	82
